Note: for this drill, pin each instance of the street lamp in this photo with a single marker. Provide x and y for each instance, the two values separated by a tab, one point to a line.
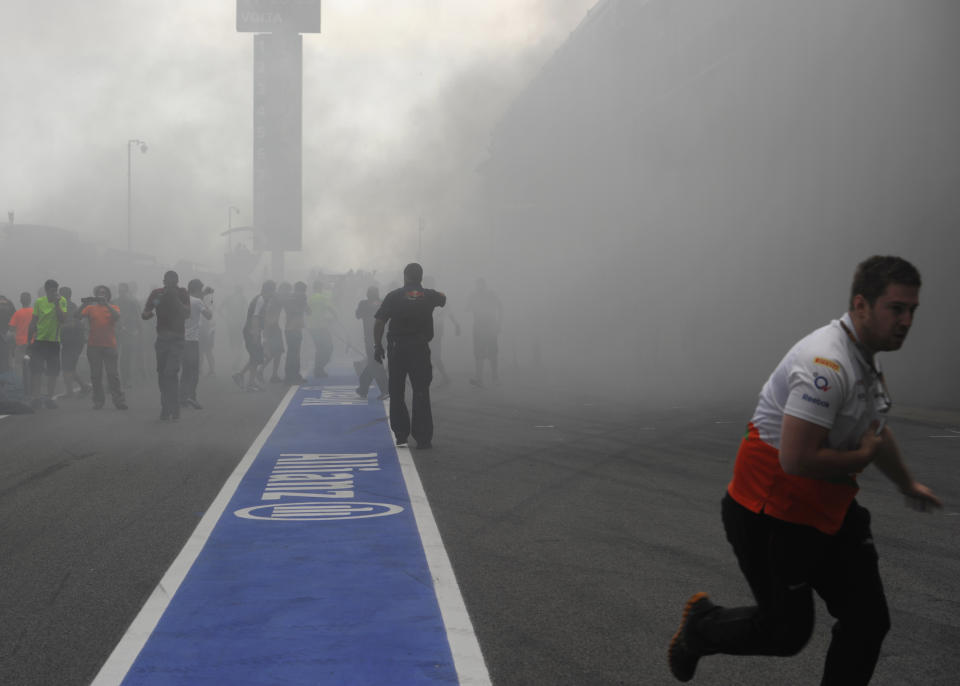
143	149
230	212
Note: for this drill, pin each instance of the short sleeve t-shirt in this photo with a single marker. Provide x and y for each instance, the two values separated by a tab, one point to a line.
321	310
48	328
172	309
192	325
409	310
102	325
20	321
824	379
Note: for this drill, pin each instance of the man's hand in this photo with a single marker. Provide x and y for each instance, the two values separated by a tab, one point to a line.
378	353
871	441
921	498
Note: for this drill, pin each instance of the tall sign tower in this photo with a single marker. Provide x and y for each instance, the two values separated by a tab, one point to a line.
278	118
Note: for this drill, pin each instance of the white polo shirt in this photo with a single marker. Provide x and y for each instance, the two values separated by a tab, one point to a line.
824	379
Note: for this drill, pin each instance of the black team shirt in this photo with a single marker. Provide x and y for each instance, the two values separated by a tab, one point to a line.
410	311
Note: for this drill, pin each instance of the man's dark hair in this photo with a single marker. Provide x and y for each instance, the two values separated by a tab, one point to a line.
195	286
171	278
413	273
874	274
50	284
66	292
105	290
25	298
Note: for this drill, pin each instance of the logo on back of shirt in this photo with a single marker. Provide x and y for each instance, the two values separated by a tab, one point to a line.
413	295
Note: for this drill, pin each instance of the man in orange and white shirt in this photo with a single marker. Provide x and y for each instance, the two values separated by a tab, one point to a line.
790	511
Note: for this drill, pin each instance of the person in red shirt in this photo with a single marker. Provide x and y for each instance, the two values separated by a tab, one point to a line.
102	346
20	321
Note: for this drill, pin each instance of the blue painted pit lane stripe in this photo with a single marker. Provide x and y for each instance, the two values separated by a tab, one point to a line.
345	617
122	657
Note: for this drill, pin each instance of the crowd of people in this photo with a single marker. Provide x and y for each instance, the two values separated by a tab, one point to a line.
43	340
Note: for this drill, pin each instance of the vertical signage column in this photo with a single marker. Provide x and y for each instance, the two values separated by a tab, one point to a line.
277	133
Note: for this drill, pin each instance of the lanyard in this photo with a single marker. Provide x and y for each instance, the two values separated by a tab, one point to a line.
873	368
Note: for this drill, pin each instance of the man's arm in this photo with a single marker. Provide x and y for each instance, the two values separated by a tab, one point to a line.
32	329
803	451
889	460
148	307
378	326
61	313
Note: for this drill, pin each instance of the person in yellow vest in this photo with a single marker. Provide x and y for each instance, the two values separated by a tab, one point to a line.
49	314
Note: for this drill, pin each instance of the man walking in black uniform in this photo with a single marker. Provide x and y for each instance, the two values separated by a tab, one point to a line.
410	313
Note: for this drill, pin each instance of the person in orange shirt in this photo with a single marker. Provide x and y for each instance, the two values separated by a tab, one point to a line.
20	321
102	346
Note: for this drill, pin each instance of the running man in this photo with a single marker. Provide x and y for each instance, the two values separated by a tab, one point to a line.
790	511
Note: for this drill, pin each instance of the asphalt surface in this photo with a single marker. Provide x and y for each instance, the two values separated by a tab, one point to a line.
577	525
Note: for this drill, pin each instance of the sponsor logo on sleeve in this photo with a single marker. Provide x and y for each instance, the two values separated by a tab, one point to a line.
815	401
821	383
827	363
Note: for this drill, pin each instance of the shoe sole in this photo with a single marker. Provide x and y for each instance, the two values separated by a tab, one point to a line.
694	599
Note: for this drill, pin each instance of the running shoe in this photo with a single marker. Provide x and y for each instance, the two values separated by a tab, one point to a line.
681	655
238	379
120	405
401	441
50	403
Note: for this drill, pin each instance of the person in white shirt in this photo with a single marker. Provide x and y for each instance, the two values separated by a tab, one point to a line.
790	512
190	371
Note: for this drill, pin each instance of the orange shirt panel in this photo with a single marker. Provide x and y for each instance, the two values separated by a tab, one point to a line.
760	485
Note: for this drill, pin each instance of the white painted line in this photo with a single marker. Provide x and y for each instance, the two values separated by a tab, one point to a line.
121	659
467	657
958	436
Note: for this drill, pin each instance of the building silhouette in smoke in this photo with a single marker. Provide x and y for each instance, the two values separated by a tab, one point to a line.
704	173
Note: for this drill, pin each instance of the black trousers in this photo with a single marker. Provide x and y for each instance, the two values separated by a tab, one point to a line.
784	564
169	347
189	371
102	358
291	369
410	356
372	370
